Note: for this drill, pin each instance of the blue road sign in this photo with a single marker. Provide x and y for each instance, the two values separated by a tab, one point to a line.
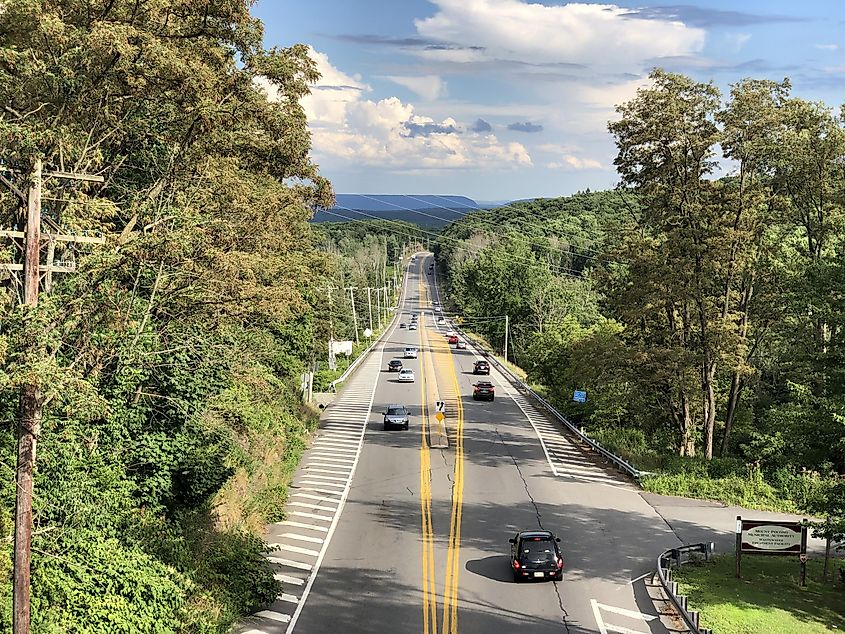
580	396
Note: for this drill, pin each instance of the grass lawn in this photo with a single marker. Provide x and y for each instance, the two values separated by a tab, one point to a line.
768	599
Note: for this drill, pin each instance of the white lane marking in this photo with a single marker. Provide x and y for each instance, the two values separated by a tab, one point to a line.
318	490
631	614
604	628
302	538
313	516
597	615
326	458
308	496
288	597
331	451
289	563
308	505
316	467
310	475
309	527
275	616
291	581
333	442
254	632
295	549
643	576
323	483
621	629
345	495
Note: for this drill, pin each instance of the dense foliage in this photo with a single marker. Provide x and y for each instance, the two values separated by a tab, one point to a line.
169	362
702	314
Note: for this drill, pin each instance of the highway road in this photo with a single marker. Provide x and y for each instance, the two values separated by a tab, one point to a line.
407	531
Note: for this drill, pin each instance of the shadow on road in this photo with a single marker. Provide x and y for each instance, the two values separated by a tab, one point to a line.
495	567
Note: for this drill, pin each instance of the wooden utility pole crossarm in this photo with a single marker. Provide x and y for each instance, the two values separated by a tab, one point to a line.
31	398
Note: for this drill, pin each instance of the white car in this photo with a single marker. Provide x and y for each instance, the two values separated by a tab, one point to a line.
412	326
461	345
441	321
450	333
410	353
406	376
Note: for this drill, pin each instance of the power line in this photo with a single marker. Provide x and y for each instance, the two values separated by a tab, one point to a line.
522	221
478	209
557	269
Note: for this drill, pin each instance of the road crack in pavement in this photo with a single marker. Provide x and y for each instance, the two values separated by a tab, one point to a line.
446	464
524	481
564	615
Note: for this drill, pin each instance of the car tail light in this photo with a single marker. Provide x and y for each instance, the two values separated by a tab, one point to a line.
559	563
516	564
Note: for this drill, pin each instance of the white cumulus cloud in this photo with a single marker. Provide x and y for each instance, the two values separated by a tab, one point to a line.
349	129
532	33
429	87
571	162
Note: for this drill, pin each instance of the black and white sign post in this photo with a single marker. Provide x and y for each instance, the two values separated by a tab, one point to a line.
764	537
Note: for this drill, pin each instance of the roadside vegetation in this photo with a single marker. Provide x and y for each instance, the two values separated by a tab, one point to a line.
767	599
703	315
169	362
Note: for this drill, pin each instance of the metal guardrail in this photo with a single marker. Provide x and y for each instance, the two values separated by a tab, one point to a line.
664	573
620	463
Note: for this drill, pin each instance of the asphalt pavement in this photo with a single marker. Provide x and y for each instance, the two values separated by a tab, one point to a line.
396	534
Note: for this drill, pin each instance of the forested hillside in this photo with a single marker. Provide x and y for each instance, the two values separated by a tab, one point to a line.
702	314
169	361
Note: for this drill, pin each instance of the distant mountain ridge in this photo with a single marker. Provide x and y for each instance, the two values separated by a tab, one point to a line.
424	209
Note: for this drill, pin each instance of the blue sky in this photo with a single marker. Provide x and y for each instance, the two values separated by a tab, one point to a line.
508	99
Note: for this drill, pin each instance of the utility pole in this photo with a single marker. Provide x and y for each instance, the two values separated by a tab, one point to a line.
378	307
506	338
354	314
370	306
31	403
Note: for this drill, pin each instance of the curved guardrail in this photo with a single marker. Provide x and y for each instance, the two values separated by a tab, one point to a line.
620	463
664	574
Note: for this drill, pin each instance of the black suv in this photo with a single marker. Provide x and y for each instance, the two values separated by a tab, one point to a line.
394	365
481	367
536	555
396	416
483	390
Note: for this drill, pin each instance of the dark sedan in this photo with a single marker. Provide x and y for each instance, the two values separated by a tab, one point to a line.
536	555
394	365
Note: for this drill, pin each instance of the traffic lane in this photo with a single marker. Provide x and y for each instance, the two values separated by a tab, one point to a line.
370	578
610	535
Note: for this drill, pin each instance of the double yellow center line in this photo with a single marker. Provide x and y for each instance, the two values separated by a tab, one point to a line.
429	589
441	353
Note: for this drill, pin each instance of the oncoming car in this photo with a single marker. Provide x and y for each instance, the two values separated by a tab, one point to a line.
406	375
394	365
413	326
536	555
396	416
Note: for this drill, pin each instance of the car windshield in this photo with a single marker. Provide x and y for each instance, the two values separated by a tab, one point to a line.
395	411
538	550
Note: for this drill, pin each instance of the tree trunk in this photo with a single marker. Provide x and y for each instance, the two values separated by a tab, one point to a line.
733	402
708	374
688	428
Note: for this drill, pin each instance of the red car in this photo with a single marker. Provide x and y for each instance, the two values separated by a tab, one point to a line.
453	339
